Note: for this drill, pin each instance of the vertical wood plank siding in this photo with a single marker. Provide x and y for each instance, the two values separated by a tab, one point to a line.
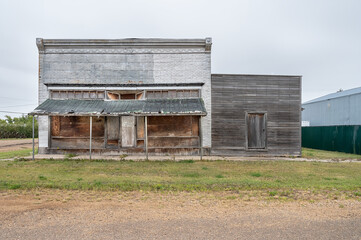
278	96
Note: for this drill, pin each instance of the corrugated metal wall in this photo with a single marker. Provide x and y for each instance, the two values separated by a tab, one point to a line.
333	138
334	112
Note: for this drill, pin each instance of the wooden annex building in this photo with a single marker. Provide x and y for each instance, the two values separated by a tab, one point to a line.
158	97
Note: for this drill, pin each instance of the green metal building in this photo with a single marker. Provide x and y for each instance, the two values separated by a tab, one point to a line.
332	122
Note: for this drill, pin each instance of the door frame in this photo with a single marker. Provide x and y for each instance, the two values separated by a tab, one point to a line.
246	131
106	145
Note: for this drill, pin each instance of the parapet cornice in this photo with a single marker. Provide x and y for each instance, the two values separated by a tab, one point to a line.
128	45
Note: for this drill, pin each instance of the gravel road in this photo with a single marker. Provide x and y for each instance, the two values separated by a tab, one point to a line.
59	214
16	144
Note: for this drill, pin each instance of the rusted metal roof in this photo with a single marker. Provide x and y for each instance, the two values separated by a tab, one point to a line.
149	107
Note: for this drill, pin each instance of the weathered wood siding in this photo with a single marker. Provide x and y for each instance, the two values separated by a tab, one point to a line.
279	97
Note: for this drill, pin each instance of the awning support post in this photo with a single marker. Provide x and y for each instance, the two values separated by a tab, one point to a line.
146	137
200	139
33	137
90	142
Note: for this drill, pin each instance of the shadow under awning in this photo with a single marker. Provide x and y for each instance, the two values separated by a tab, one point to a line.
149	107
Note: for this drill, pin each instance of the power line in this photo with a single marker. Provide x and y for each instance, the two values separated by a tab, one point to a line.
19	105
13	112
16	98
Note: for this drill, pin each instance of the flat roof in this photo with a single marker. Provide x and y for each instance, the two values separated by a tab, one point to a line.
336	95
131	43
262	75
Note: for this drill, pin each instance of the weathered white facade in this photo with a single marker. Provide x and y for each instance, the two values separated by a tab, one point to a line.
124	65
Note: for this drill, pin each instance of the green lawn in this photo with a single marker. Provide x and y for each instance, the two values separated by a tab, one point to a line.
180	176
16	153
321	154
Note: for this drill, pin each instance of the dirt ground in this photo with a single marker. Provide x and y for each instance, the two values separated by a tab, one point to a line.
16	144
57	214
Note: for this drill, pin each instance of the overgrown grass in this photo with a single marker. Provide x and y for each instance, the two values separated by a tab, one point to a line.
276	177
321	154
17	153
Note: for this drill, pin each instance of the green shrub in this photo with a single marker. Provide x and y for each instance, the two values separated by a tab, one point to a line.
21	127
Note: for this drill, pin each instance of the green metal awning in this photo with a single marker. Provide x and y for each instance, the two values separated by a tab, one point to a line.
149	107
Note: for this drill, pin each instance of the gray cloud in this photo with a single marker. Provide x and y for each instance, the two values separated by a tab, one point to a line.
320	40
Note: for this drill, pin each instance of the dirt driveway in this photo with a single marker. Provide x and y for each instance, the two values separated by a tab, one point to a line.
107	215
16	144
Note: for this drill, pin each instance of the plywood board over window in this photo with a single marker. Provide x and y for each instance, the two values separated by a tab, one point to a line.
172	94
70	94
72	132
173	132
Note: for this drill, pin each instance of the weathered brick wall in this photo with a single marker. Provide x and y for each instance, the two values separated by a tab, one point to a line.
119	66
43	121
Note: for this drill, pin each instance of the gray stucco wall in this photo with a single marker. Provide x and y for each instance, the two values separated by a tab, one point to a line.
112	65
337	111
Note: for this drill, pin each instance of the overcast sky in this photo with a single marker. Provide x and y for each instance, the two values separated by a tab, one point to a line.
320	40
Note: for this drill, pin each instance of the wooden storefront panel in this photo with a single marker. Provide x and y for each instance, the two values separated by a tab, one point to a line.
173	132
72	132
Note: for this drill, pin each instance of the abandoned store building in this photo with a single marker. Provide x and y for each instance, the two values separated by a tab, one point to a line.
158	97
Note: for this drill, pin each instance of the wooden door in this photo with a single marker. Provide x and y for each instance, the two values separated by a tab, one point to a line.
256	130
113	132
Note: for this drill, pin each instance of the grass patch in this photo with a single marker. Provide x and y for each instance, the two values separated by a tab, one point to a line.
283	177
191	175
273	193
41	177
255	174
322	154
330	178
14	186
17	153
186	161
70	155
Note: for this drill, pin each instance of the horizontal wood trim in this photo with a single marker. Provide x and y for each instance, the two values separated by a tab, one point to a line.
59	137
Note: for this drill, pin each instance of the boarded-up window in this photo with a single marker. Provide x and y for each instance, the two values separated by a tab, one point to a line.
172	94
73	132
77	94
127	96
173	132
76	126
256	130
